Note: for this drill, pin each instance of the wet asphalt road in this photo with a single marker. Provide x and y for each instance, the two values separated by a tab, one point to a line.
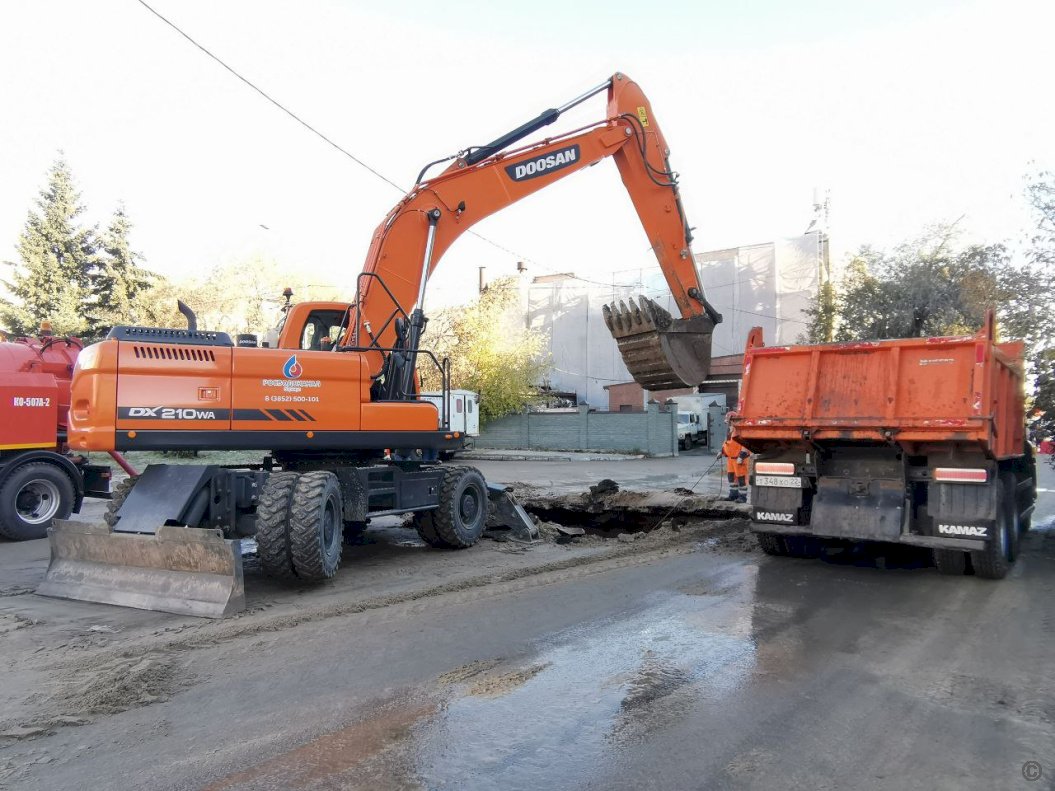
696	671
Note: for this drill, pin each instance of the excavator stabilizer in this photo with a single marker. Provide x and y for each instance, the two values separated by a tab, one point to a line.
661	352
181	570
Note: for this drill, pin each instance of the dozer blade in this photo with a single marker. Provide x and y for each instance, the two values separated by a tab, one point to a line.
181	570
661	352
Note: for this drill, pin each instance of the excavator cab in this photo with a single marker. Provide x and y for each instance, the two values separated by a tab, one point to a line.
305	324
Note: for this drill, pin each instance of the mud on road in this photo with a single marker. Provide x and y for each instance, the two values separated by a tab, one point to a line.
71	663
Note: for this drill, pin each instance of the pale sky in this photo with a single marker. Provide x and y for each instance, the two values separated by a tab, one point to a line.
910	113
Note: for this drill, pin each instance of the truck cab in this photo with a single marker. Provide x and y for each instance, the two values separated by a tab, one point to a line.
688	429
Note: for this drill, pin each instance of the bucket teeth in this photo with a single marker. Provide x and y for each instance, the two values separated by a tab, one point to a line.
631	318
659	351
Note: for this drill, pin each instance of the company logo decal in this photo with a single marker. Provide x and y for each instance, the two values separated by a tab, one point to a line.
963	530
773	516
292	369
171	413
540	166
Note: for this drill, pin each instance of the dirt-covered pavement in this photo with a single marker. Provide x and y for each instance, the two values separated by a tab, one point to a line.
680	658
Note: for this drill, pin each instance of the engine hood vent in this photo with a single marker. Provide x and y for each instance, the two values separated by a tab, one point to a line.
160	335
186	353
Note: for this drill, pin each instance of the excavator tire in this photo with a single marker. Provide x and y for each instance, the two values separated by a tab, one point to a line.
425	524
117	499
272	525
461	517
316	526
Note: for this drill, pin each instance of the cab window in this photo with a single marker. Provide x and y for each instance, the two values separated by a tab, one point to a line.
321	330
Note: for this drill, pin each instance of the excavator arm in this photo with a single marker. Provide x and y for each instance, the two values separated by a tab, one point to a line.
659	351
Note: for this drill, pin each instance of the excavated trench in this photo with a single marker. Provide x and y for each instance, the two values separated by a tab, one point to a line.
605	511
607	523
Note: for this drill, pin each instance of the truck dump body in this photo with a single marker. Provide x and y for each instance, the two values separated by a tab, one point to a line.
963	389
916	441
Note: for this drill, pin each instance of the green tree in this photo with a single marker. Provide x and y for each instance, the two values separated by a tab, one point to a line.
1040	194
119	285
57	259
927	286
1035	293
245	295
823	313
932	286
490	350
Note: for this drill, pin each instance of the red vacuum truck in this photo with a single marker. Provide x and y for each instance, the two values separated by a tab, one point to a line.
916	441
39	479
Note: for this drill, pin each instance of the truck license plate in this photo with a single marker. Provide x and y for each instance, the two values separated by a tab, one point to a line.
782	481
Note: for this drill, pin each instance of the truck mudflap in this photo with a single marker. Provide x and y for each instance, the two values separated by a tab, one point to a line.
181	570
871	510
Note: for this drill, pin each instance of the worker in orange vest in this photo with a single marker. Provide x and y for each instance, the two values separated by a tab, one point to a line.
736	458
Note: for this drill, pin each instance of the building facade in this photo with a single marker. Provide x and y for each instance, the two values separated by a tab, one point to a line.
768	285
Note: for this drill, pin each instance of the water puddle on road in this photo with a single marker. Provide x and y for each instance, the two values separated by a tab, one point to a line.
550	720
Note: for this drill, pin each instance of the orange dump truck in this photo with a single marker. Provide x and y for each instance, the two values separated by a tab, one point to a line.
917	441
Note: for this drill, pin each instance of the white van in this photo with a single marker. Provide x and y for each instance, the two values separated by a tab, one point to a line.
463	410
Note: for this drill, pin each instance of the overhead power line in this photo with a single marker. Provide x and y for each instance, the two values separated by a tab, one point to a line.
329	141
305	124
268	96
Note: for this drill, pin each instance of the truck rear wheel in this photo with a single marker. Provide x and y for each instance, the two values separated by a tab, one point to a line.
32	497
460	519
272	525
993	562
772	544
316	526
802	547
951	562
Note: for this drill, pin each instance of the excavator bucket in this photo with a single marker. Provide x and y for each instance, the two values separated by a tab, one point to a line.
506	512
661	352
187	571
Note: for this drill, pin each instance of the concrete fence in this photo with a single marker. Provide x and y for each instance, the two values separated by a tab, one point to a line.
653	432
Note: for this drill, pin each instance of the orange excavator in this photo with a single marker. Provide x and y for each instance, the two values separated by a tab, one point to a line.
340	386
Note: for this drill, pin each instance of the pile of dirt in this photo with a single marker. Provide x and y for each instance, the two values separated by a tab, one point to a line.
116	685
463	673
603	487
496	686
10	622
734	536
